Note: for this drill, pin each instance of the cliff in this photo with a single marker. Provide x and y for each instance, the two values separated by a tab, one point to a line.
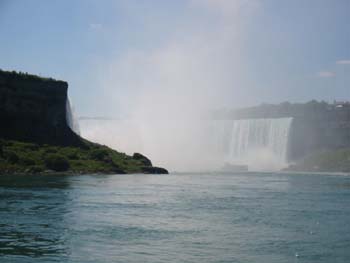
34	109
35	136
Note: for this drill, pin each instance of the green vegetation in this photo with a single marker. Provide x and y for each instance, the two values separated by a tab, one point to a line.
33	110
327	161
23	157
25	76
57	162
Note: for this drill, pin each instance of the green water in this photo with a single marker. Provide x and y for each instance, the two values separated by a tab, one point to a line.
248	217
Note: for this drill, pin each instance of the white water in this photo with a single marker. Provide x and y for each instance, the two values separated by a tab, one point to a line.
72	120
262	144
197	145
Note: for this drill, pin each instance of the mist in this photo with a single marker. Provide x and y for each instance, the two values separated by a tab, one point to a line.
163	95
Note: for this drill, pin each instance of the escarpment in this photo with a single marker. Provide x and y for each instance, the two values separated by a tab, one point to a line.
33	109
35	133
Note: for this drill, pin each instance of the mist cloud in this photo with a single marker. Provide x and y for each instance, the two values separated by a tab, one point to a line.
166	90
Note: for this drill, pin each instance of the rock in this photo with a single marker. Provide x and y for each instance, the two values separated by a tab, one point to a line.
33	109
142	158
154	170
33	113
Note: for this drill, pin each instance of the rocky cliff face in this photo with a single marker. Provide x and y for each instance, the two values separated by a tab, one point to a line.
34	131
34	109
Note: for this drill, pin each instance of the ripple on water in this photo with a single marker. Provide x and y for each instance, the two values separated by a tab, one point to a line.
175	218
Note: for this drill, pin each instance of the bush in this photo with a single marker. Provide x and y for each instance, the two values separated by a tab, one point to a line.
143	159
51	150
57	162
27	161
99	154
35	169
12	157
73	156
31	147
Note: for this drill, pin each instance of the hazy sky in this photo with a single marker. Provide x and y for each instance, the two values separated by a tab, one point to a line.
134	54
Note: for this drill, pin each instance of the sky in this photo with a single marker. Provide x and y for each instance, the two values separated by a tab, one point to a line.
154	67
208	53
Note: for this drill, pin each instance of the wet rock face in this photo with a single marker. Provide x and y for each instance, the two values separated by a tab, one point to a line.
34	109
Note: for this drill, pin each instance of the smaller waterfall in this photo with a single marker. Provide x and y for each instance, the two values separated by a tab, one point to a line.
71	119
259	143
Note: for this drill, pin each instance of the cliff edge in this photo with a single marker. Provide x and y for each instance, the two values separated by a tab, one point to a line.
35	136
33	109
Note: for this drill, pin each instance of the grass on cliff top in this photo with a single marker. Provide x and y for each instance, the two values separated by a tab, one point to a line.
326	161
25	76
22	157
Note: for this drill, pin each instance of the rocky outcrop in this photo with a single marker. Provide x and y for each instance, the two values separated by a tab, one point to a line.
148	168
34	109
154	170
142	158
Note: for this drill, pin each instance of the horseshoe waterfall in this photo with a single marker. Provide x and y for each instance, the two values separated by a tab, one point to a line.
261	144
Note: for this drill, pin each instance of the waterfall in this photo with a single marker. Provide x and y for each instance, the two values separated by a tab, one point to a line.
258	143
71	119
199	145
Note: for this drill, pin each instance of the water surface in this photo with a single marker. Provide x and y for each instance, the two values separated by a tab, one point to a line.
248	217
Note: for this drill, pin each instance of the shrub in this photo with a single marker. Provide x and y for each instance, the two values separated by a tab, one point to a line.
143	159
51	150
99	154
56	162
31	147
27	161
12	157
73	156
35	169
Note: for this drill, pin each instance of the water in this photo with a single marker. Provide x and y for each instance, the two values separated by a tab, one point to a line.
175	218
262	144
72	120
265	140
